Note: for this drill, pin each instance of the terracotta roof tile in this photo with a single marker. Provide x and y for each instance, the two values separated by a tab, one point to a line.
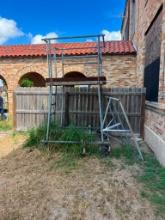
112	48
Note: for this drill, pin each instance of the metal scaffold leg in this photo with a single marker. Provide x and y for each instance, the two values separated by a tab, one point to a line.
49	61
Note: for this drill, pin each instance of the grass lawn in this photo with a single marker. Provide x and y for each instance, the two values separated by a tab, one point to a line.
5	125
56	184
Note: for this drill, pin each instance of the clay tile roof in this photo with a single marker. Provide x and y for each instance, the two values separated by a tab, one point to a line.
111	48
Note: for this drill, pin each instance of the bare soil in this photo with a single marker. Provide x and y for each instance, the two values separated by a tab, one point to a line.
32	187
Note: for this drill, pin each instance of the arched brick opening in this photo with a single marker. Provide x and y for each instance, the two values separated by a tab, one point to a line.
37	79
4	92
74	74
3	82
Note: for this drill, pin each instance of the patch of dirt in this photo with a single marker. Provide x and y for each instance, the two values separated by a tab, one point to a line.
9	142
32	188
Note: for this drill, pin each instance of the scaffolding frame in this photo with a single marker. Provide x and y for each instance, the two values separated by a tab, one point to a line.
52	56
107	128
118	123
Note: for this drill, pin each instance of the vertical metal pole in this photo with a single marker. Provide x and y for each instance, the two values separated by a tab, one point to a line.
49	61
62	107
99	87
55	70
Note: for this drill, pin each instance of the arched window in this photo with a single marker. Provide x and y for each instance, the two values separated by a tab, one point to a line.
32	79
74	74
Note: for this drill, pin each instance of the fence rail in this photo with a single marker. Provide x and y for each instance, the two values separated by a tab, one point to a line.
80	106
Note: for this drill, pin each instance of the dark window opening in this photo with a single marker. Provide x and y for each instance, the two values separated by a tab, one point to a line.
152	58
151	80
74	75
36	79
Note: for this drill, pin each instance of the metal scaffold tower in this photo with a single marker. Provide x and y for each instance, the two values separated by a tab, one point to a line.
55	53
114	119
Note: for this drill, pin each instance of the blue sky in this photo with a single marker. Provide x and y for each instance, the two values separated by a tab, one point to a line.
29	20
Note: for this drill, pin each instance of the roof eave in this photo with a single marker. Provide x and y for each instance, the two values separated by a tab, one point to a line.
105	54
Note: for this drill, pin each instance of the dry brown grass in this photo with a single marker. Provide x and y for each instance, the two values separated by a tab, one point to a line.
10	142
32	187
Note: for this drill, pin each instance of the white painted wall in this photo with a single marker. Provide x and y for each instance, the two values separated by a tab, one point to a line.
156	143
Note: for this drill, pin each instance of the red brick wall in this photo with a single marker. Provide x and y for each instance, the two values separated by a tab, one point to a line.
145	13
157	124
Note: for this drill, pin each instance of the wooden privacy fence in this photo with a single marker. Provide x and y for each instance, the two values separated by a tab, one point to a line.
80	106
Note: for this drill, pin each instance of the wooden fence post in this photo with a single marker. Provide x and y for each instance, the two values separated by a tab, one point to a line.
14	112
142	116
66	109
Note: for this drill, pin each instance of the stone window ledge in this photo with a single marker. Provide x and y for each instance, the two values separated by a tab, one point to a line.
156	107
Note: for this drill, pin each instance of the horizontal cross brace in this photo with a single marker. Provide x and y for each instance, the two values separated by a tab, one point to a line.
74	142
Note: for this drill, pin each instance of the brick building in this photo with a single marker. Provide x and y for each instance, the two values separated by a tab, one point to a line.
144	25
29	61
